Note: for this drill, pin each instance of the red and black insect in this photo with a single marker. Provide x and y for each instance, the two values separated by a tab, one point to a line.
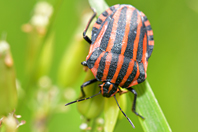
120	46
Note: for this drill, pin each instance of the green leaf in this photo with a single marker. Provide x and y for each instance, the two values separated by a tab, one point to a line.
148	107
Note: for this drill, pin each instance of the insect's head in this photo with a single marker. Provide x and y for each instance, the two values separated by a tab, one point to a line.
108	89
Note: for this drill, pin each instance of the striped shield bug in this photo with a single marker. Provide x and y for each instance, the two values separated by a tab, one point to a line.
120	46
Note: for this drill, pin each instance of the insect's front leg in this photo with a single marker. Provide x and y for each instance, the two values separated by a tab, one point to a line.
85	31
84	85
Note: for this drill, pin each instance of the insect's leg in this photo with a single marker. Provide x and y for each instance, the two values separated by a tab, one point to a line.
84	63
85	31
134	102
85	84
124	113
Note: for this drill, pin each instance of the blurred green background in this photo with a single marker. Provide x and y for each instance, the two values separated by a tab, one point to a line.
172	69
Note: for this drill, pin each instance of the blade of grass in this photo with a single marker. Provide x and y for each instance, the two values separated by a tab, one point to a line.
148	105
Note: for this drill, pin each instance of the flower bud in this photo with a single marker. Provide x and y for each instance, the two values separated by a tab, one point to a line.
10	123
42	12
91	108
8	93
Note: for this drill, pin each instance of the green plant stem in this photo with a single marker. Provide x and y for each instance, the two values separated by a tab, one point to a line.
93	125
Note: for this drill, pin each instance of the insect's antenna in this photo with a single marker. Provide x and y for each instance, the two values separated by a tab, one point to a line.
124	113
82	99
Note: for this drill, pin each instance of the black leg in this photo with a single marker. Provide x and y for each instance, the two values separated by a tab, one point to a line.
85	84
134	102
84	63
85	31
124	113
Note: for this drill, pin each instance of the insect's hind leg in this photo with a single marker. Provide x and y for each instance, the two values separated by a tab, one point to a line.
134	102
84	85
85	31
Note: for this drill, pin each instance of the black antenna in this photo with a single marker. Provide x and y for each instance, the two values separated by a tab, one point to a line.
82	99
124	113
